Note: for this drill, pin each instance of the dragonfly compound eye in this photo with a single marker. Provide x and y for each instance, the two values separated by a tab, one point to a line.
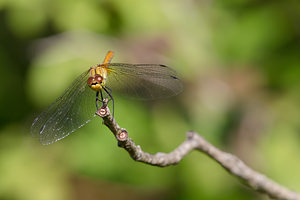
95	82
98	79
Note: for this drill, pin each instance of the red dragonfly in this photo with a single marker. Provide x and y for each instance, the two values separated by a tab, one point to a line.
75	107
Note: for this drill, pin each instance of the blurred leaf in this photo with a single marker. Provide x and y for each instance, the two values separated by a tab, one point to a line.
70	15
280	152
140	16
26	171
26	19
250	35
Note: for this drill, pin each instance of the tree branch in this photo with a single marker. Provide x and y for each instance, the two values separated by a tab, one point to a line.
194	141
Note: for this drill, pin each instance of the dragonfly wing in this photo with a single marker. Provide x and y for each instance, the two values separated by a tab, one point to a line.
69	112
143	81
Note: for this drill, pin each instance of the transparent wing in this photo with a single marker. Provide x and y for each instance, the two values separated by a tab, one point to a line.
69	112
143	81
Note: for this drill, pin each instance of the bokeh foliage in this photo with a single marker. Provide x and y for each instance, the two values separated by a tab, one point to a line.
239	62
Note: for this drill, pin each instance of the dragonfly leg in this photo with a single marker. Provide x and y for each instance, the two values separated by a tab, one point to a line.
97	98
101	96
107	93
108	88
110	98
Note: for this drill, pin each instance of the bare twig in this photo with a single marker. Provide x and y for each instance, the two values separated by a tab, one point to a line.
194	141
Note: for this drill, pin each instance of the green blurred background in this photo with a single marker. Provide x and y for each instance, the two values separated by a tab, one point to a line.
240	65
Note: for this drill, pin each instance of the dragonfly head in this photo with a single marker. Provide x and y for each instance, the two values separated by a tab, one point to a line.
95	82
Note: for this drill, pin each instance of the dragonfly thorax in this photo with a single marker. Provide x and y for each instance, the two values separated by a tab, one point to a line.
95	82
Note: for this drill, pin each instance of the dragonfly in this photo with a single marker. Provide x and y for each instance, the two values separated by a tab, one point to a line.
80	101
